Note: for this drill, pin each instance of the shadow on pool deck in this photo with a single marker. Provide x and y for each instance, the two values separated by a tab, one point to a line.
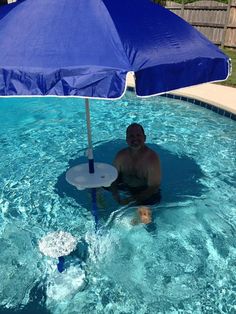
180	174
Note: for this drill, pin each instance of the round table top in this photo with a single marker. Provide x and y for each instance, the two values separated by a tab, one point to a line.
79	176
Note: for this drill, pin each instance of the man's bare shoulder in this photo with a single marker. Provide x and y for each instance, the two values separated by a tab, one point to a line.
120	158
152	155
122	153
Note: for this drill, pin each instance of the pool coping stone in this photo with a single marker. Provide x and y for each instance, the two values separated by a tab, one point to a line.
218	98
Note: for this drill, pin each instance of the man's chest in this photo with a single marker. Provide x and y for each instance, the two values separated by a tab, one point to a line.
135	167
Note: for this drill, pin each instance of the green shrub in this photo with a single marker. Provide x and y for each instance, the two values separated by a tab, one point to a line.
232	79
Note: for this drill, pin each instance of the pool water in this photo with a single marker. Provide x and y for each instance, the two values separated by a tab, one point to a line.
187	264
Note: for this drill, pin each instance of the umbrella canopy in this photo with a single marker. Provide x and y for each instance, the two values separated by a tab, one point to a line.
86	47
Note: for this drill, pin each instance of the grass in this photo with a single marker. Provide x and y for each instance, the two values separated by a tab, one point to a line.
163	2
191	1
232	79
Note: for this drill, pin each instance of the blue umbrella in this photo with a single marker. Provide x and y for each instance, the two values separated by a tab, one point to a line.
85	48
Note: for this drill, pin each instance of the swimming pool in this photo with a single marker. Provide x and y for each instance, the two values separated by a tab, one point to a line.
186	265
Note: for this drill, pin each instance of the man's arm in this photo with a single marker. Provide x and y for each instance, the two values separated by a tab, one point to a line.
154	171
114	189
153	179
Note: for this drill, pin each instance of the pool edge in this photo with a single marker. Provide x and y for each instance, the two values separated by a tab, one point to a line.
204	95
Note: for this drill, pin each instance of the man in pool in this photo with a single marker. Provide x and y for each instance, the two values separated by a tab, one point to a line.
139	170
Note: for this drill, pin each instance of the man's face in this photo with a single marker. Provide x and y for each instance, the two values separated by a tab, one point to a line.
135	137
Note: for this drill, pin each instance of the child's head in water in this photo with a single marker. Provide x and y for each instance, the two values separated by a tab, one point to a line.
144	215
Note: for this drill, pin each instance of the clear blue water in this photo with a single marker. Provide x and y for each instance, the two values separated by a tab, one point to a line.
186	265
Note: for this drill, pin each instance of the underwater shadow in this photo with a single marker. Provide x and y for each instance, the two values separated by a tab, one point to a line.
36	305
180	174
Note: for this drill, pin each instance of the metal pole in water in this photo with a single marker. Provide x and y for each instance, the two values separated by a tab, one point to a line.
90	146
94	206
91	162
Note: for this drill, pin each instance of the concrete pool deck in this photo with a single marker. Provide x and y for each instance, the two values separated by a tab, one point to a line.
220	96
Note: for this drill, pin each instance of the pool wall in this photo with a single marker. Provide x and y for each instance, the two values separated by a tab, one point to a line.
197	102
203	104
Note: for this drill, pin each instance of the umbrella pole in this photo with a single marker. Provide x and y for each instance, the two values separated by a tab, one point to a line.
90	147
91	161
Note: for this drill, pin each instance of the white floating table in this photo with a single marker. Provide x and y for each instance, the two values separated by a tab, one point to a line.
79	176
